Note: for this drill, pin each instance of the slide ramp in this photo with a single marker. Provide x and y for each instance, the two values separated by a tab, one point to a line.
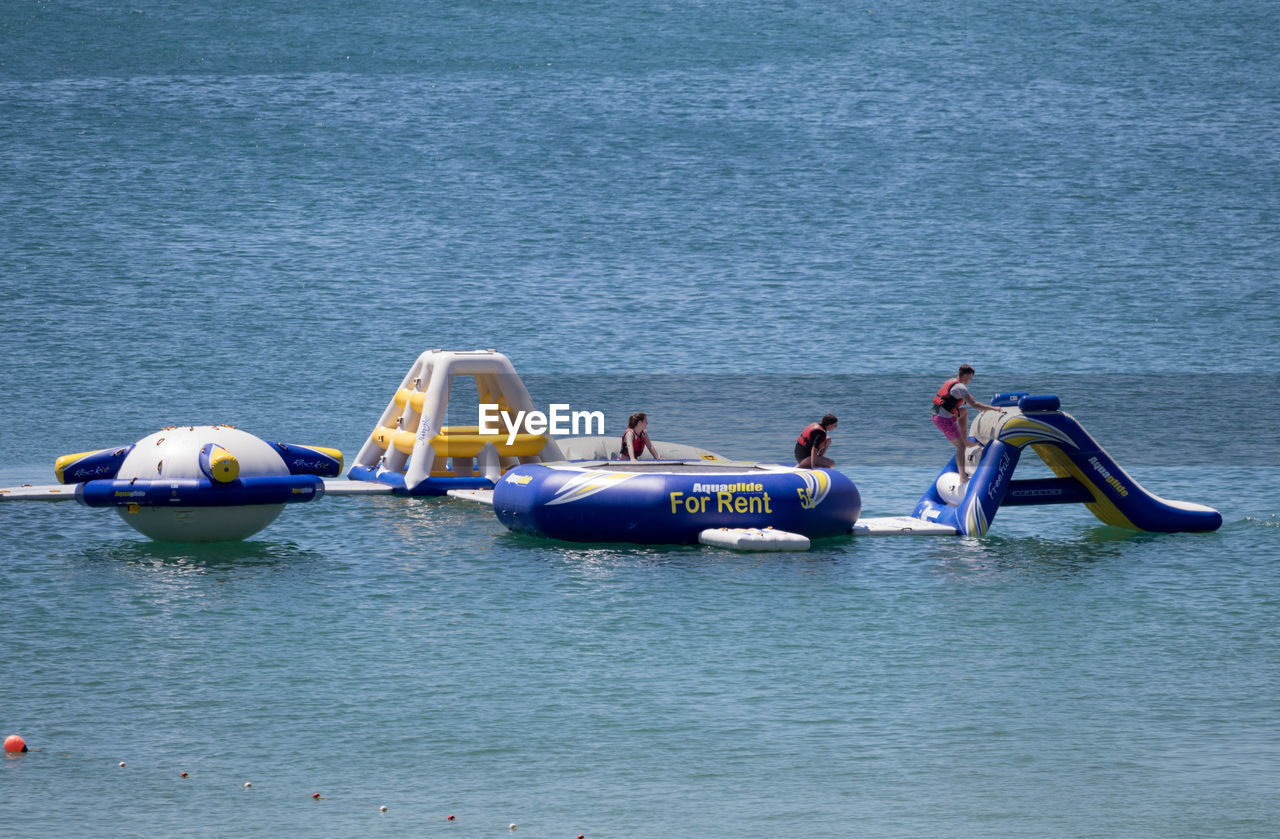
1085	473
1117	499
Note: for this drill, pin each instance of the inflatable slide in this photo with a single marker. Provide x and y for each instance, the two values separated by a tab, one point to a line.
1084	473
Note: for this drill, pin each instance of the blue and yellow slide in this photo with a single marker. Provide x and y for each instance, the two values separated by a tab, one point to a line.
1084	472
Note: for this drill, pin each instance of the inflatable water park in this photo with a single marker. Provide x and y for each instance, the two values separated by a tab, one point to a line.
206	483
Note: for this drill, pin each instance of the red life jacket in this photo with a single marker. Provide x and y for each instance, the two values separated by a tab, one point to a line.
944	398
803	439
641	442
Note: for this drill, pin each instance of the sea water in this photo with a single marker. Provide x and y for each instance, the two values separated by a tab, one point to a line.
736	217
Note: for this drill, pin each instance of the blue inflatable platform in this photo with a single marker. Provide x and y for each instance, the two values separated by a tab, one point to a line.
671	502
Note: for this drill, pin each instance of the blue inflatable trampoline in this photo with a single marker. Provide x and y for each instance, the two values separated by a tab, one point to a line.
671	502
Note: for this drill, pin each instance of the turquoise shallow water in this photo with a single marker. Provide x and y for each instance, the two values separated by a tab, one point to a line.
735	218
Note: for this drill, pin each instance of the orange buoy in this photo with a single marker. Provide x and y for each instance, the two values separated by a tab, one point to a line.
14	743
451	817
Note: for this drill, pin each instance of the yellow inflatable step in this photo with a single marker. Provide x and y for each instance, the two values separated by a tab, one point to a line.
413	397
461	441
467	441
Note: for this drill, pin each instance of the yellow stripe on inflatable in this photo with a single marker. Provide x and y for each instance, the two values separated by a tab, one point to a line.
1101	506
404	441
459	441
381	436
223	466
68	460
411	397
336	454
1021	431
467	441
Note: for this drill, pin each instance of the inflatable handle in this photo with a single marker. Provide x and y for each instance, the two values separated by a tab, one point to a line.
1045	402
1005	400
218	464
200	492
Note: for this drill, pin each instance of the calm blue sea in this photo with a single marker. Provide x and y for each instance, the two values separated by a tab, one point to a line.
736	217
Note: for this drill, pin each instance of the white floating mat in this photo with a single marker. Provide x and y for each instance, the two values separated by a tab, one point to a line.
339	486
753	539
895	525
45	492
479	496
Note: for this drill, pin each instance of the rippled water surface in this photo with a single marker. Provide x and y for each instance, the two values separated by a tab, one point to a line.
735	217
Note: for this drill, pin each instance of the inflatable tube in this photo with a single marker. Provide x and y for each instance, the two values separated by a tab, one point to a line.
671	502
200	492
439	485
87	466
309	460
217	464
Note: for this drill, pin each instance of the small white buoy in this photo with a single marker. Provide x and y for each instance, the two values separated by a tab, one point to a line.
247	784
122	764
511	826
383	808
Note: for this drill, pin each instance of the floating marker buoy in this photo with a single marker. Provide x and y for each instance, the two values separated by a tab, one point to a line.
183	775
315	795
383	808
451	818
14	743
247	784
122	764
511	826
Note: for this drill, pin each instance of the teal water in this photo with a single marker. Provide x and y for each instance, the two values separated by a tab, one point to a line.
735	217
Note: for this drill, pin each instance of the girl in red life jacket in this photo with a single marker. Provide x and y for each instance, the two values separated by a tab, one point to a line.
811	446
635	440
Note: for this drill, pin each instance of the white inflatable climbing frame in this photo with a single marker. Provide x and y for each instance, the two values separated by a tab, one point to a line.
411	448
